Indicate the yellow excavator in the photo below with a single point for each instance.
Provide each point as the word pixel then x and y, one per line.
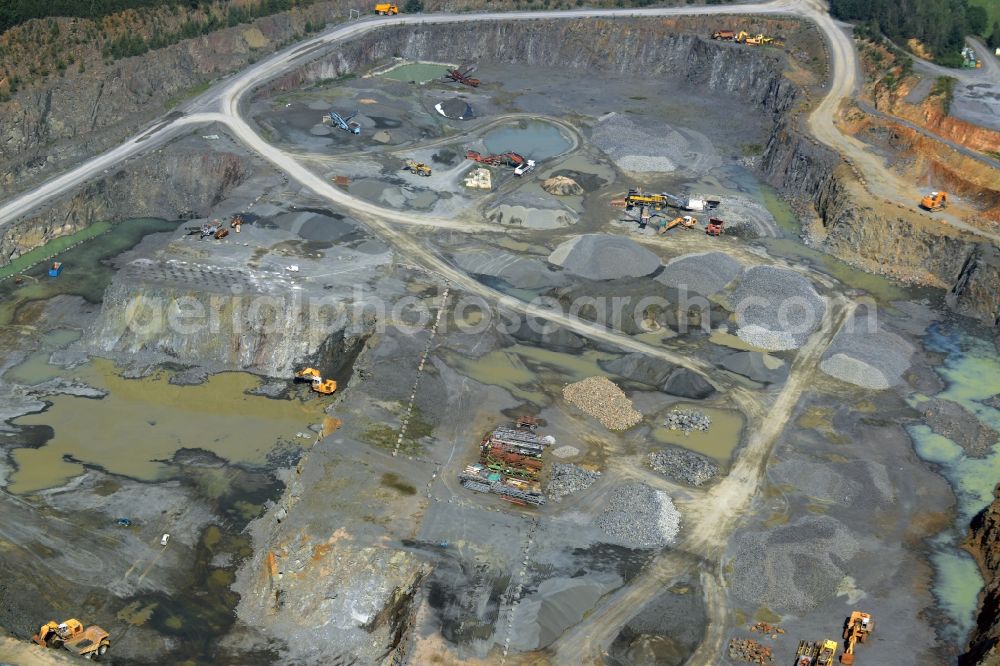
pixel 759 40
pixel 741 36
pixel 318 384
pixel 686 221
pixel 88 642
pixel 857 628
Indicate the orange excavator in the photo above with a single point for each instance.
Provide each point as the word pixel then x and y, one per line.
pixel 857 628
pixel 686 221
pixel 934 201
pixel 318 384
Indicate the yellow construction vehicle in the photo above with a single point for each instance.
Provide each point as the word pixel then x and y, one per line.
pixel 88 642
pixel 758 40
pixel 826 653
pixel 857 628
pixel 417 168
pixel 386 9
pixel 318 384
pixel 687 221
pixel 638 198
pixel 934 201
pixel 741 36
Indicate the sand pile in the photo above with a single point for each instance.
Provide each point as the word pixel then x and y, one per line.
pixel 776 308
pixel 604 257
pixel 562 186
pixel 602 399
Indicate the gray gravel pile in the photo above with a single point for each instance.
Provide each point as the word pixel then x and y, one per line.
pixel 604 257
pixel 638 516
pixel 568 479
pixel 687 421
pixel 776 308
pixel 758 366
pixel 683 465
pixel 634 149
pixel 873 360
pixel 520 272
pixel 705 273
pixel 793 568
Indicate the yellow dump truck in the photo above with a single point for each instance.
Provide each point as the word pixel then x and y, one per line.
pixel 386 9
pixel 88 642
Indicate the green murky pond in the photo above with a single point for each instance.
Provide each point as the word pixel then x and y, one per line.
pixel 971 369
pixel 143 421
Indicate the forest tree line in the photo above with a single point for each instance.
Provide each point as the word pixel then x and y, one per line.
pixel 939 25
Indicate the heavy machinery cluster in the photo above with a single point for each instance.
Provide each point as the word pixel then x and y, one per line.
pixel 216 229
pixel 857 629
pixel 650 206
pixel 510 464
pixel 88 642
pixel 743 37
pixel 520 164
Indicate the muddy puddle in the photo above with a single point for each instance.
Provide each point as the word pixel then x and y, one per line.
pixel 530 373
pixel 719 442
pixel 534 139
pixel 142 422
pixel 971 370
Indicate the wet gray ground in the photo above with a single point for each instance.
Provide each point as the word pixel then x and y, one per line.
pixel 373 543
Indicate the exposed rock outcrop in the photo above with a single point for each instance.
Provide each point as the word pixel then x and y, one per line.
pixel 984 544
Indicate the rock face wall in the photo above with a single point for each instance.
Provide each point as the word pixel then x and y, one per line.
pixel 878 238
pixel 625 47
pixel 984 544
pixel 165 186
pixel 45 129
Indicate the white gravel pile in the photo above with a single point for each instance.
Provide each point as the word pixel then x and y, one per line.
pixel 870 359
pixel 638 516
pixel 604 257
pixel 705 273
pixel 602 399
pixel 776 308
pixel 566 451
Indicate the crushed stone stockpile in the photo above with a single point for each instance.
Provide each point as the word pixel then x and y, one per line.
pixel 604 257
pixel 687 420
pixel 568 479
pixel 705 273
pixel 519 272
pixel 562 186
pixel 779 307
pixel 638 516
pixel 793 568
pixel 638 149
pixel 602 399
pixel 683 465
pixel 872 359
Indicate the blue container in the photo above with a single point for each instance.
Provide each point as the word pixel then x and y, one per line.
pixel 55 269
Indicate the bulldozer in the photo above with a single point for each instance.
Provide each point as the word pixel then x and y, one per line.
pixel 758 40
pixel 318 384
pixel 417 168
pixel 88 642
pixel 934 201
pixel 857 628
pixel 686 221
